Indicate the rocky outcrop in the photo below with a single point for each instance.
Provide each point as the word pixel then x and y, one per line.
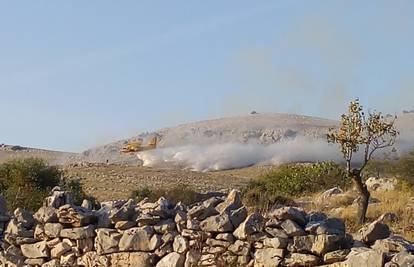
pixel 216 232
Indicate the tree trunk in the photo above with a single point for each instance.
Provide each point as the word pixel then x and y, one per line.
pixel 364 196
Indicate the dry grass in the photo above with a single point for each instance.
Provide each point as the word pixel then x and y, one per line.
pixel 399 202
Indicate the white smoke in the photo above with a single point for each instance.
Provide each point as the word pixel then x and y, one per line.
pixel 236 155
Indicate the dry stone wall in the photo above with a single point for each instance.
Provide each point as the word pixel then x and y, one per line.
pixel 216 232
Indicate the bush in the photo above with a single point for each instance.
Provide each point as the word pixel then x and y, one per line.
pixel 180 192
pixel 26 182
pixel 293 180
pixel 402 167
pixel 77 192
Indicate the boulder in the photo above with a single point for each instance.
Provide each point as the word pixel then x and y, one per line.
pixel 75 216
pixel 192 257
pixel 326 243
pixel 125 225
pixel 36 250
pixel 374 231
pixel 275 242
pixel 403 259
pixel 240 248
pixel 226 237
pixel 35 262
pixel 59 250
pixel 24 218
pixel 237 216
pixel 254 223
pixel 365 257
pixel 201 212
pixel 139 239
pixel 298 259
pixel 58 198
pixel 46 215
pixel 164 226
pixel 130 259
pixel 52 230
pixel 173 259
pixel 52 263
pixel 292 228
pixel 289 213
pixel 78 233
pixel 268 257
pixel 124 213
pixel 331 192
pixel 181 244
pixel 335 256
pixel 393 244
pixel 232 202
pixel 107 241
pixel 217 224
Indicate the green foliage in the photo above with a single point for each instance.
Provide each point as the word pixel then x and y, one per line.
pixel 402 167
pixel 293 180
pixel 180 192
pixel 25 182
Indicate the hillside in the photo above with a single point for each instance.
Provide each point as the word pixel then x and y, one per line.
pixel 257 129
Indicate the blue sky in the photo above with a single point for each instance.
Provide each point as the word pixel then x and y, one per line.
pixel 76 74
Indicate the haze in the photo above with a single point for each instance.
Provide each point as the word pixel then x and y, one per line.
pixel 75 74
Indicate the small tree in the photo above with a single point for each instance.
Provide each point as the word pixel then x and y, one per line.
pixel 371 133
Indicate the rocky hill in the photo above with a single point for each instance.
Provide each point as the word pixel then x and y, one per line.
pixel 255 128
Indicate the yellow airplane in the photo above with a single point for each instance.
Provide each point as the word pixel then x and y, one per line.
pixel 136 146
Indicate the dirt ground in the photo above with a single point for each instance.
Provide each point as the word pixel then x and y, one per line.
pixel 110 182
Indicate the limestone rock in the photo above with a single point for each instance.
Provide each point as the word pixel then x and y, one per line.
pixel 52 230
pixel 78 233
pixel 131 259
pixel 173 259
pixel 240 248
pixel 268 257
pixel 139 239
pixel 275 242
pixel 218 224
pixel 125 225
pixel 232 202
pixel 75 216
pixel 181 244
pixel 297 259
pixel 289 213
pixel 254 223
pixel 46 215
pixel 374 231
pixel 335 256
pixel 192 258
pixel 107 241
pixel 365 257
pixel 330 193
pixel 292 228
pixel 237 216
pixel 59 250
pixel 393 244
pixel 403 259
pixel 36 250
pixel 24 218
pixel 52 263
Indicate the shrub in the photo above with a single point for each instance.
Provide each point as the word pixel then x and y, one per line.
pixel 180 192
pixel 400 167
pixel 26 182
pixel 77 192
pixel 293 180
